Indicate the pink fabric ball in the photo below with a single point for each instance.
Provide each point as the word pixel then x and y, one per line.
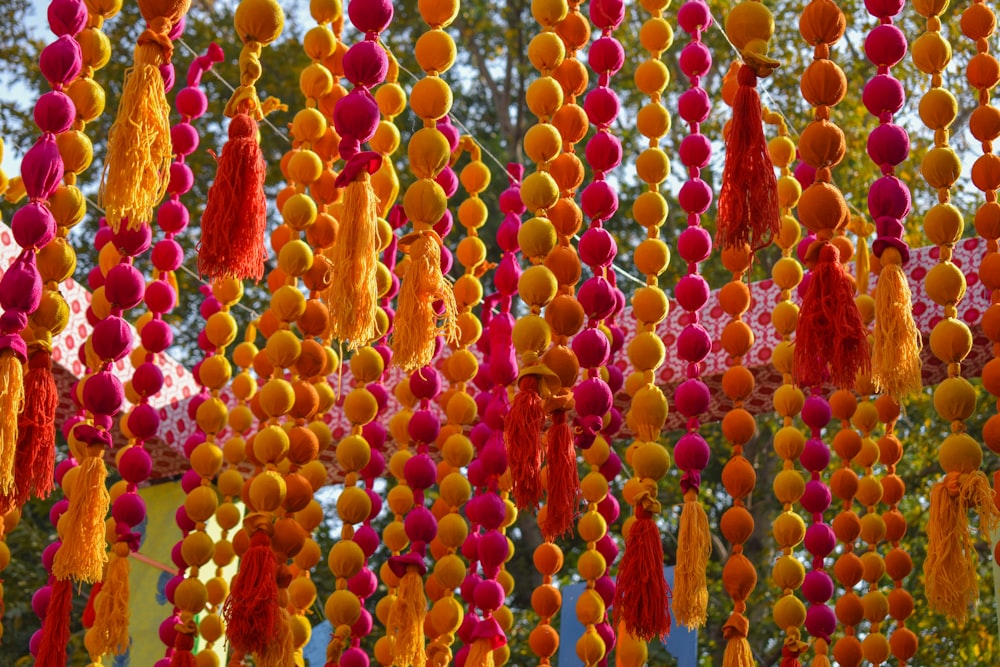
pixel 363 583
pixel 183 521
pixel 366 538
pixel 33 225
pixel 374 432
pixel 135 465
pixel 694 16
pixel 365 64
pixel 492 548
pixel 692 452
pixel 695 59
pixel 356 116
pixel 58 510
pixel 695 150
pixel 167 255
pixel 420 525
pixel 424 426
pixel 593 397
pixel 883 94
pixel 885 45
pixel 488 510
pixel 54 112
pixel 692 292
pixel 494 459
pixel 597 297
pixel 592 348
pixel 820 620
pixel 820 539
pixel 370 16
pixel 694 244
pixel 607 14
pixel 156 336
pixel 695 196
pixel 507 273
pixel 816 498
pixel 488 595
pixel 448 181
pixel 817 587
pixel 184 138
pixel 191 102
pixel 172 216
pixel 606 55
pixel 354 656
pixel 61 61
pixel 133 242
pixel 815 455
pixel 609 508
pixel 889 197
pixel 693 105
pixel 67 17
pixel 42 168
pixel 601 106
pixel 144 421
pixel 361 627
pixel 888 145
pixel 691 398
pixel 816 412
pixel 112 338
pixel 376 500
pixel 124 286
pixel 884 8
pixel 129 509
pixel 420 472
pixel 597 247
pixel 693 343
pixel 21 286
pixel 181 178
pixel 103 394
pixel 160 296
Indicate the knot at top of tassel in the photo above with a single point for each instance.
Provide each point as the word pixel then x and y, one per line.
pixel 157 35
pixel 736 625
pixel 646 505
pixel 242 126
pixel 756 64
pixel 366 162
pixel 411 562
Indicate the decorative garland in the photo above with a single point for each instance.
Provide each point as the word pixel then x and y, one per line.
pixel 951 581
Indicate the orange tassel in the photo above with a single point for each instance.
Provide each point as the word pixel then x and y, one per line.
pixel 642 595
pixel 417 322
pixel 235 217
pixel 406 621
pixel 896 362
pixel 111 616
pixel 11 404
pixel 951 580
pixel 83 553
pixel 481 654
pixel 694 546
pixel 251 610
pixel 281 648
pixel 55 629
pixel 36 438
pixel 353 293
pixel 748 199
pixel 137 166
pixel 738 652
pixel 831 341
pixel 523 438
pixel 183 659
pixel 563 479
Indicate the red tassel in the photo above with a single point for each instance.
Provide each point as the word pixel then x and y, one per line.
pixel 831 341
pixel 748 200
pixel 564 479
pixel 89 612
pixel 183 659
pixel 36 437
pixel 235 218
pixel 642 595
pixel 251 610
pixel 55 629
pixel 523 437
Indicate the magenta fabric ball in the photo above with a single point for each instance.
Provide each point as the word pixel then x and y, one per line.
pixel 40 601
pixel 695 150
pixel 167 255
pixel 95 278
pixel 490 511
pixel 67 17
pixel 420 525
pixel 817 497
pixel 448 180
pixel 597 247
pixel 611 468
pixel 450 132
pixel 134 241
pixel 604 151
pixel 424 426
pixel 124 286
pixel 607 14
pixel 189 482
pixel 820 540
pixel 33 225
pixel 54 112
pixel 420 472
pixel 695 59
pixel 692 452
pixel 488 595
pixel 447 261
pixel 821 621
pixel 181 178
pixel 42 168
pixel 363 584
pixel 370 16
pixel 376 501
pixel 191 102
pixel 511 203
pixel 692 292
pixel 494 459
pixel 597 297
pixel 888 196
pixel 815 455
pixel 884 8
pixel 609 508
pixel 128 509
pixel 476 474
pixel 354 656
pixel 209 306
pixel 425 383
pixel 49 555
pixel 183 521
pixel 177 555
pixel 507 274
pixel 885 45
pixel 695 196
pixel 103 394
pixel 816 412
pixel 694 16
pixel 470 546
pixel 694 244
pixel 135 465
pixel 366 538
pixel 888 144
pixel 593 397
pixel 817 587
pixel 156 336
pixel 608 548
pixel 167 633
pixel 374 432
pixel 57 511
pixel 356 116
pixel 693 105
pixel 172 216
pixel 361 627
pixel 365 64
pixel 35 643
pixel 184 138
pixel 606 55
pixel 160 296
pixel 599 200
pixel 691 398
pixel 171 587
pixel 144 421
pixel 492 548
pixel 693 343
pixel 883 94
pixel 62 468
pixel 61 61
pixel 601 106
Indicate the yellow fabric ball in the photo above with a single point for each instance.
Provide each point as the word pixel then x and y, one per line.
pixel 945 283
pixel 197 548
pixel 342 608
pixel 789 530
pixel 472 214
pixel 791 231
pixel 788 486
pixel 594 487
pixel 56 261
pixel 201 503
pixel 452 530
pixel 447 614
pixel 215 371
pixel 315 81
pixel 276 397
pixel 319 42
pixel 938 107
pixel 288 304
pixel 546 51
pixel 592 526
pixel 431 98
pixel 941 167
pixel 386 139
pixel 428 152
pixel 789 612
pixel 360 406
pixel 267 491
pixel 548 13
pixel 788 573
pixel 544 97
pixel 646 351
pixel 400 499
pixel 542 142
pixel 960 453
pixel 931 52
pixel 435 51
pixel 394 536
pixel 76 151
pixel 653 120
pixel 531 333
pixel 270 444
pixel 206 459
pixel 875 646
pixel 191 596
pixel 537 236
pixel 457 450
pixel 749 23
pixel 652 257
pixel 590 607
pixel 391 99
pixel 951 340
pixel 346 559
pixel 651 78
pixel 656 36
pixel 259 20
pixel 590 648
pixel 438 13
pixel 283 349
pixel 89 98
pixel 353 453
pixel 781 150
pixel 782 355
pixel 650 461
pixel 211 415
pixel 461 409
pixel 424 202
pixel 210 627
pixel 650 209
pixel 652 166
pixel 353 505
pixel 650 304
pixel 220 329
pixel 537 286
pixel 943 224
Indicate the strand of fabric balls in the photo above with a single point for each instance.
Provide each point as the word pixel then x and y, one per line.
pixel 831 339
pixel 848 567
pixel 896 352
pixel 56 261
pixel 738 428
pixel 898 564
pixel 788 527
pixel 137 166
pixel 353 293
pixel 951 580
pixel 34 226
pixel 234 222
pixel 692 396
pixel 426 305
pixel 983 73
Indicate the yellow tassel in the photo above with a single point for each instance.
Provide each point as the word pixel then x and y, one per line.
pixel 481 654
pixel 820 659
pixel 896 354
pixel 83 552
pixel 694 546
pixel 137 166
pixel 950 577
pixel 416 324
pixel 112 608
pixel 281 650
pixel 406 622
pixel 738 653
pixel 353 293
pixel 11 404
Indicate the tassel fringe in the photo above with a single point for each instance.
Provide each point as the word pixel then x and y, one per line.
pixel 83 553
pixel 55 629
pixel 896 355
pixel 251 610
pixel 11 404
pixel 694 546
pixel 406 622
pixel 36 437
pixel 564 479
pixel 481 654
pixel 111 620
pixel 522 436
pixel 642 595
pixel 137 167
pixel 951 580
pixel 280 650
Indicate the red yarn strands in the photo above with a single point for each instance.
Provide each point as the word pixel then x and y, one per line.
pixel 641 595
